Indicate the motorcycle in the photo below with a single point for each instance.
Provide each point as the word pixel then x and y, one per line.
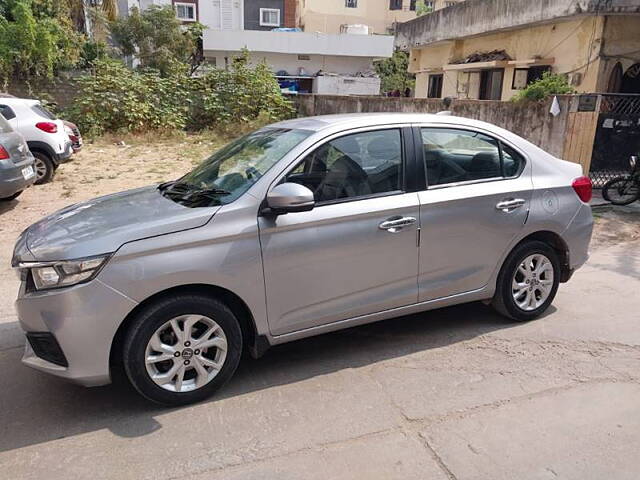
pixel 624 190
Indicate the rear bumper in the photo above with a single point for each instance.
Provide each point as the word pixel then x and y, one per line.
pixel 80 322
pixel 11 179
pixel 578 237
pixel 66 155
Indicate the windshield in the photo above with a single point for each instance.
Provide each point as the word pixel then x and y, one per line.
pixel 230 172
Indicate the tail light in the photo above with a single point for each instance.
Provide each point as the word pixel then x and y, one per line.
pixel 3 153
pixel 583 188
pixel 48 127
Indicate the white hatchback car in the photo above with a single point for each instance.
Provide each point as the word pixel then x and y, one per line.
pixel 45 134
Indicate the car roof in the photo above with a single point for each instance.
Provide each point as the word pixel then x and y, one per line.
pixel 18 101
pixel 355 120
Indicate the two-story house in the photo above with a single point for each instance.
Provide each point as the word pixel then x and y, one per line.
pixel 305 57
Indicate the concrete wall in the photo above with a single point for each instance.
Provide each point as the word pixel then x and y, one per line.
pixel 61 92
pixel 291 63
pixel 529 120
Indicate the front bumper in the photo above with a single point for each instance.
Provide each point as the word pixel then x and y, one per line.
pixel 83 320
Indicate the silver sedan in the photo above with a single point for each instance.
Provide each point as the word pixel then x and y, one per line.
pixel 300 228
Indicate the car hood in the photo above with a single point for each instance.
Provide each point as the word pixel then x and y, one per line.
pixel 103 224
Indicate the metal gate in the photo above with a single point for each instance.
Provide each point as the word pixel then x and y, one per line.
pixel 617 137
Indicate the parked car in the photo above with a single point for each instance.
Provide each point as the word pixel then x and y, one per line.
pixel 16 163
pixel 73 132
pixel 300 228
pixel 43 131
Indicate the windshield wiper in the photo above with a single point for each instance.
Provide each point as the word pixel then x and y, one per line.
pixel 189 189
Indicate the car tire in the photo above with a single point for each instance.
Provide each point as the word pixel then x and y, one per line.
pixel 44 167
pixel 155 324
pixel 521 293
pixel 11 197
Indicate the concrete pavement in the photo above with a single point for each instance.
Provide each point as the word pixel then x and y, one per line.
pixel 452 394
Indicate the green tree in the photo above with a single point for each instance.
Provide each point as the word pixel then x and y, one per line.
pixel 37 39
pixel 394 72
pixel 157 39
pixel 422 9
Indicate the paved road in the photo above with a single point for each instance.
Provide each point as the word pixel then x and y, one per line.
pixel 452 394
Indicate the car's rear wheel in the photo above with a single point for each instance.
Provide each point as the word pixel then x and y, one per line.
pixel 12 197
pixel 44 167
pixel 182 349
pixel 528 281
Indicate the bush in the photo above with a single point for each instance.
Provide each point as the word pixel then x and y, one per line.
pixel 116 99
pixel 549 84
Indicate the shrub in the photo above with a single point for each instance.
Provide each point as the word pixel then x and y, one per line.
pixel 116 99
pixel 549 84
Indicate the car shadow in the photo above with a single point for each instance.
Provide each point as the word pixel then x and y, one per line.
pixel 37 408
pixel 8 205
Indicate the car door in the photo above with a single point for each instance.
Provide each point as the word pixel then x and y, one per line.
pixel 356 252
pixel 477 200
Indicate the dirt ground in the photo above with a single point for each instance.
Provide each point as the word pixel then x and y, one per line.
pixel 457 393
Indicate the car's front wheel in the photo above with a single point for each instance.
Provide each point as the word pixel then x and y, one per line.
pixel 528 281
pixel 182 349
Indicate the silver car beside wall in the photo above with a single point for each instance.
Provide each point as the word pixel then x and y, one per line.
pixel 300 228
pixel 16 163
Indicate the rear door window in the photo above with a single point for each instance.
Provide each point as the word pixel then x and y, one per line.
pixel 454 156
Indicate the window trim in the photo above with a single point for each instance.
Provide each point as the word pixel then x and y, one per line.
pixel 186 4
pixel 500 140
pixel 265 24
pixel 407 141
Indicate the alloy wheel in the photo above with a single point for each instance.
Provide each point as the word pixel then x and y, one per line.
pixel 40 168
pixel 532 282
pixel 186 353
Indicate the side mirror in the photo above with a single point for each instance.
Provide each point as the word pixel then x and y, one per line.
pixel 289 198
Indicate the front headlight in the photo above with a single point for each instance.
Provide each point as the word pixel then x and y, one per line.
pixel 46 275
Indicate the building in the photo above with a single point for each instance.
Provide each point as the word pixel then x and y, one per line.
pixel 490 49
pixel 333 60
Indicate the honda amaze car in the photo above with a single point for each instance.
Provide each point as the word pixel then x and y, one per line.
pixel 300 228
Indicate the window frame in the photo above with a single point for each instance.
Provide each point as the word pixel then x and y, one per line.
pixel 498 139
pixel 394 6
pixel 194 6
pixel 408 163
pixel 265 24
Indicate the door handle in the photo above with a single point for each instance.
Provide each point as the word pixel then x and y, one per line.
pixel 395 224
pixel 510 204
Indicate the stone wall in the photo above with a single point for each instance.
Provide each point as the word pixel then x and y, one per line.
pixel 62 92
pixel 529 120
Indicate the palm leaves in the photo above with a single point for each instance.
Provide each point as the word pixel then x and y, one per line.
pixel 80 10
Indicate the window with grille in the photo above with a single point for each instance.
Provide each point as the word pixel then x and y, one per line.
pixel 351 3
pixel 395 5
pixel 185 12
pixel 270 17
